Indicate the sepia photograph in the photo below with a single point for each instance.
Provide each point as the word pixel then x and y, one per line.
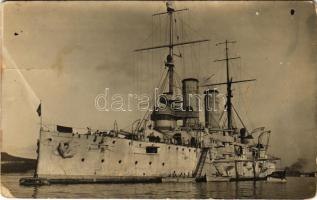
pixel 159 99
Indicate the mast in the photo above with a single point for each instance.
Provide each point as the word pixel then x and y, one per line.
pixel 229 95
pixel 228 82
pixel 170 64
pixel 169 59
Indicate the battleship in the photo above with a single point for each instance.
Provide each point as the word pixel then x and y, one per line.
pixel 158 149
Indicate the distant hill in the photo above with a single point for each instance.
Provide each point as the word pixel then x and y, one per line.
pixel 14 164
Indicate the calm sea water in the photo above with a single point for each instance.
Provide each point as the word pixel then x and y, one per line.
pixel 295 188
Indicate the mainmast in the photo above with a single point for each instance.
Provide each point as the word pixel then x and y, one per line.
pixel 229 82
pixel 169 59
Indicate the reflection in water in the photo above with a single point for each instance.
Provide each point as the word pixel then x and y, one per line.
pixel 201 190
pixel 237 190
pixel 248 189
pixel 255 189
pixel 295 188
pixel 34 195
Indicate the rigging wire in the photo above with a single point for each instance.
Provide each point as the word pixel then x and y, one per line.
pixel 178 80
pixel 195 32
pixel 183 48
pixel 199 58
pixel 160 30
pixel 245 106
pixel 147 113
pixel 152 57
pixel 166 30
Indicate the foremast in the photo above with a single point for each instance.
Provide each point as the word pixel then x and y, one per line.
pixel 169 63
pixel 169 116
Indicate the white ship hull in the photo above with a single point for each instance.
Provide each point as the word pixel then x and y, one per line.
pixel 100 156
pixel 112 158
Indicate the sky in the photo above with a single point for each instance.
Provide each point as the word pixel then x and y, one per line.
pixel 63 54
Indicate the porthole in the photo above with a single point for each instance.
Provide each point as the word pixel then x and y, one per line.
pixel 136 162
pixel 163 164
pixel 66 145
pixel 150 163
pixel 140 145
pixel 113 141
pixel 119 161
pixel 83 159
pixel 102 160
pixel 50 139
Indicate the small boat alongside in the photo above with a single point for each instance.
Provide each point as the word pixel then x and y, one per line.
pixel 277 176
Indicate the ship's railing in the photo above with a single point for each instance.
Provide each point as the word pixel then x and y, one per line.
pixel 220 138
pixel 77 130
pixel 123 134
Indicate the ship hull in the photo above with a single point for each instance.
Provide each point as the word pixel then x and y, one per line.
pixel 68 158
pixel 87 156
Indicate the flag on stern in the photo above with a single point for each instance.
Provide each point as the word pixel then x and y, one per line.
pixel 64 129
